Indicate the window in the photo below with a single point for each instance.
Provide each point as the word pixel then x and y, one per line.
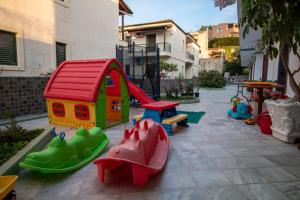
pixel 8 48
pixel 58 109
pixel 82 112
pixel 116 105
pixel 230 25
pixel 60 52
pixel 219 30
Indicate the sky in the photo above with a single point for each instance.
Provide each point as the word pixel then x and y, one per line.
pixel 188 14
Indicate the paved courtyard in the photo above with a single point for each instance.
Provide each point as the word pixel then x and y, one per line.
pixel 219 158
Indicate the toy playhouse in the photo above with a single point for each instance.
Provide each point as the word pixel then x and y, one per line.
pixel 88 94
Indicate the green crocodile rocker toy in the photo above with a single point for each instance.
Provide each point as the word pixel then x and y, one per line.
pixel 65 156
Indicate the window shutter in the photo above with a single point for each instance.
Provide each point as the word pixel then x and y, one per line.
pixel 60 52
pixel 8 48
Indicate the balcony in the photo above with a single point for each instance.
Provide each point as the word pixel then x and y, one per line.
pixel 163 47
pixel 189 58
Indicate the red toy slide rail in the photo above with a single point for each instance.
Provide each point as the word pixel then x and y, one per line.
pixel 138 93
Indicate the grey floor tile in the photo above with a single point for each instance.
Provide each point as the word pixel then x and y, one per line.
pixel 179 180
pixel 262 192
pixel 275 174
pixel 284 159
pixel 295 170
pixel 290 189
pixel 242 151
pixel 256 161
pixel 243 176
pixel 224 193
pixel 198 164
pixel 142 196
pixel 215 152
pixel 183 194
pixel 229 163
pixel 206 178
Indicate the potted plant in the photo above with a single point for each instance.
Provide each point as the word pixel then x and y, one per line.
pixel 279 24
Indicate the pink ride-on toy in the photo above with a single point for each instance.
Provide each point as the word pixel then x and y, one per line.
pixel 144 148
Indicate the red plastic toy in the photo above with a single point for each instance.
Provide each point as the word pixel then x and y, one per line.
pixel 264 122
pixel 144 148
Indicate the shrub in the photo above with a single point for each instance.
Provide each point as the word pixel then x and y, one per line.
pixel 13 138
pixel 233 67
pixel 211 79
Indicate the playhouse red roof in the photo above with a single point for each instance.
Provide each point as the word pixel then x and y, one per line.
pixel 78 80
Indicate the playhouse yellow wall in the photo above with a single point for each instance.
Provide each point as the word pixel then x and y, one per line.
pixel 70 119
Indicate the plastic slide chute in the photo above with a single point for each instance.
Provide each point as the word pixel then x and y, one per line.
pixel 143 148
pixel 68 155
pixel 138 93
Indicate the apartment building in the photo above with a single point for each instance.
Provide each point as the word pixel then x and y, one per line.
pixel 223 30
pixel 41 34
pixel 175 45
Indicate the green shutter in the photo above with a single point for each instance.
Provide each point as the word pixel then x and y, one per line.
pixel 60 52
pixel 8 48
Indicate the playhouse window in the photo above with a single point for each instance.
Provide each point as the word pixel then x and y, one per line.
pixel 82 112
pixel 58 109
pixel 116 105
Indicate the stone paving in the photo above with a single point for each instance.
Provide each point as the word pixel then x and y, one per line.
pixel 219 158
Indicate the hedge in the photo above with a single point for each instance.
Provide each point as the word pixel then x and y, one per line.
pixel 224 42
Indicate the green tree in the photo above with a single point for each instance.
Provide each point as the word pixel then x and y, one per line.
pixel 166 68
pixel 280 26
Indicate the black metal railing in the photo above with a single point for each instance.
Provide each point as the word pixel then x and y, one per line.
pixel 190 56
pixel 163 47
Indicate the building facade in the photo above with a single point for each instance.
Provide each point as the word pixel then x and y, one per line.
pixel 175 45
pixel 261 66
pixel 37 35
pixel 223 30
pixel 50 31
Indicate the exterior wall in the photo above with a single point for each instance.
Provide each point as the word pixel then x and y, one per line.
pixel 70 118
pixel 202 41
pixel 89 29
pixel 248 45
pixel 258 67
pixel 209 64
pixel 22 96
pixel 192 69
pixel 178 42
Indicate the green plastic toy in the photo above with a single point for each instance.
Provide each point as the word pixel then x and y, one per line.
pixel 64 156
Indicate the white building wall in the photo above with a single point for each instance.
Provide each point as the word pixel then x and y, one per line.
pixel 294 64
pixel 273 65
pixel 177 38
pixel 89 29
pixel 258 67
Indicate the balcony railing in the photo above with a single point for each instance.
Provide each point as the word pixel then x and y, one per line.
pixel 190 56
pixel 163 47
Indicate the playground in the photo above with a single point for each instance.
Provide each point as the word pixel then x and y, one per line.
pixel 218 158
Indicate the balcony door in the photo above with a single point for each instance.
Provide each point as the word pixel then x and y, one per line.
pixel 151 42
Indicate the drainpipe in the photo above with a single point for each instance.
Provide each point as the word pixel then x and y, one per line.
pixel 123 33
